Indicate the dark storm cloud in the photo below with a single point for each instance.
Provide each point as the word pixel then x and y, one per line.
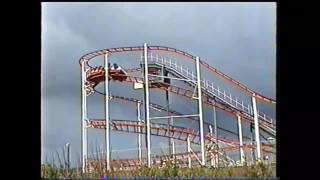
pixel 236 38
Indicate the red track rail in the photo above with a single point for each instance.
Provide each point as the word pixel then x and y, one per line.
pixel 178 133
pixel 182 157
pixel 158 129
pixel 162 129
pixel 110 51
pixel 172 112
pixel 99 76
pixel 158 160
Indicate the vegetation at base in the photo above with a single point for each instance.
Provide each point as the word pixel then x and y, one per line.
pixel 170 170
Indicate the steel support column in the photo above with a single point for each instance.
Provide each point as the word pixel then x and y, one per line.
pixel 189 151
pixel 256 127
pixel 139 130
pixel 251 142
pixel 203 160
pixel 106 89
pixel 240 140
pixel 216 156
pixel 146 102
pixel 84 146
pixel 212 156
pixel 173 148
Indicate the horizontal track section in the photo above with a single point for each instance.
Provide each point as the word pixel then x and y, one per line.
pixel 158 129
pixel 182 158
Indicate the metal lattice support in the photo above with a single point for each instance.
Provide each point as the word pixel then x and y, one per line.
pixel 132 127
pixel 204 92
pixel 207 100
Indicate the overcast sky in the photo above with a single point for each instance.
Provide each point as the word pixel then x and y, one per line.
pixel 237 38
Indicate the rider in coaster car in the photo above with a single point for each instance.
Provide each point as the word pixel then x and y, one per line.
pixel 115 66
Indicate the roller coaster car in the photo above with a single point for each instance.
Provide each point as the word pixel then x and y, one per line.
pixel 117 73
pixel 97 74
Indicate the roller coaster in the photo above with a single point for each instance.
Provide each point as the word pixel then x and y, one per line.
pixel 158 71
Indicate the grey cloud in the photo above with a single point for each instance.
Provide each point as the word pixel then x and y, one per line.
pixel 238 39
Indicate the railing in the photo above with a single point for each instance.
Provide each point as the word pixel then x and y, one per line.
pixel 208 86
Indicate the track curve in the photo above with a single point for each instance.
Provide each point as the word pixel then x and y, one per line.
pixel 267 126
pixel 96 75
pixel 93 54
pixel 172 112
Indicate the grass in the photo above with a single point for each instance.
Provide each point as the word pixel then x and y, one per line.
pixel 170 170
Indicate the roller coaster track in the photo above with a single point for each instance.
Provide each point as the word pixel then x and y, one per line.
pixel 212 96
pixel 158 129
pixel 209 88
pixel 175 132
pixel 98 76
pixel 172 112
pixel 182 157
pixel 93 54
